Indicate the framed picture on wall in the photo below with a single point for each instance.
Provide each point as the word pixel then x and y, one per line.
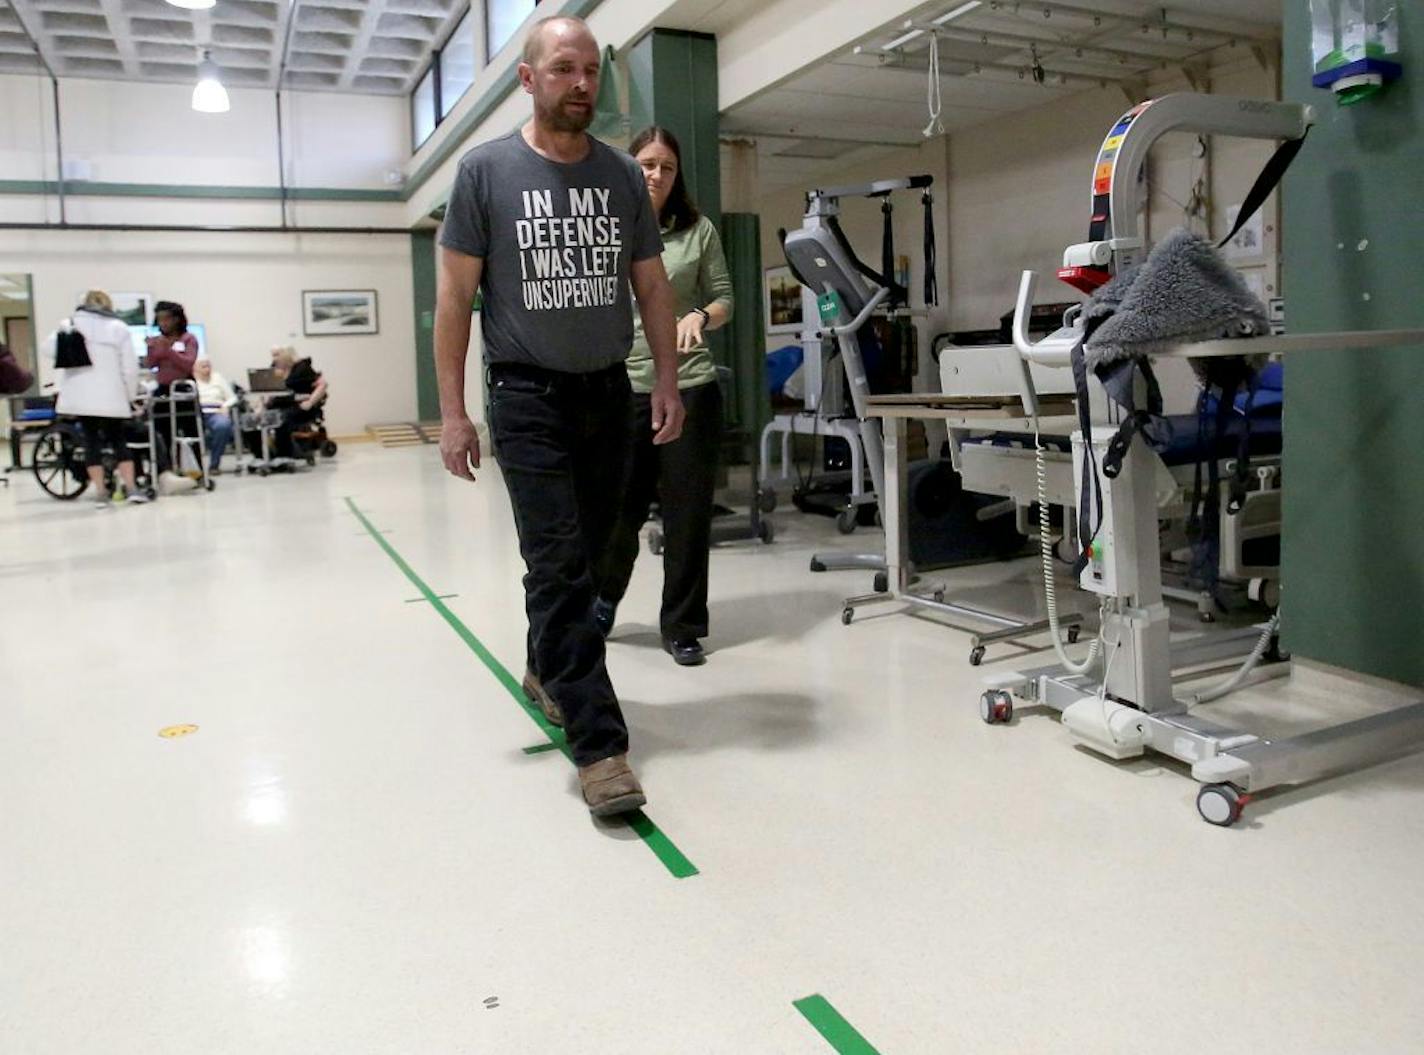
pixel 339 312
pixel 781 296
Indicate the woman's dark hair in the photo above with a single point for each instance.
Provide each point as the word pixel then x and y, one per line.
pixel 173 308
pixel 679 211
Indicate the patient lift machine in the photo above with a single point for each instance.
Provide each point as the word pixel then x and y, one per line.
pixel 839 295
pixel 1120 701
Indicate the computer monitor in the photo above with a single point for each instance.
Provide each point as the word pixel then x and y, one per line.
pixel 140 335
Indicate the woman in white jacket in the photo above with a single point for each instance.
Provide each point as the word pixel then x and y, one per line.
pixel 100 395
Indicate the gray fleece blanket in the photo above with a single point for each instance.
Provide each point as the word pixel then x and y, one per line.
pixel 1184 291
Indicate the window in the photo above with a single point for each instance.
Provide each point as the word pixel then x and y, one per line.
pixel 502 19
pixel 457 65
pixel 422 108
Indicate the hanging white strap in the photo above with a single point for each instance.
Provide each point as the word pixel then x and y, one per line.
pixel 933 97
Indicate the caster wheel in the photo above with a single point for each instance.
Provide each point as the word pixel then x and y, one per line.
pixel 881 583
pixel 1265 592
pixel 264 471
pixel 996 707
pixel 846 521
pixel 847 614
pixel 311 460
pixel 1074 632
pixel 1221 804
pixel 328 449
pixel 766 501
pixel 939 595
pixel 655 543
pixel 817 565
pixel 976 655
pixel 1206 617
pixel 151 492
pixel 210 485
pixel 766 531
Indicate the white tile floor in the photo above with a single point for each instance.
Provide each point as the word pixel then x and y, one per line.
pixel 353 854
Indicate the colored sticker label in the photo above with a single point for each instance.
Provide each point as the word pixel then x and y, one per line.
pixel 170 732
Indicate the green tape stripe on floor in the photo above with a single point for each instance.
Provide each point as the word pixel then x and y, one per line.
pixel 839 1033
pixel 672 858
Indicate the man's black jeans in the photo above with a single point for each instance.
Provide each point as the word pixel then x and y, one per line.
pixel 561 443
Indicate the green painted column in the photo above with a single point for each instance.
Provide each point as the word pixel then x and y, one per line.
pixel 749 408
pixel 422 269
pixel 1353 565
pixel 672 82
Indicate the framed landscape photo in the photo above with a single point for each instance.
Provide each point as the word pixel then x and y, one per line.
pixel 782 296
pixel 339 312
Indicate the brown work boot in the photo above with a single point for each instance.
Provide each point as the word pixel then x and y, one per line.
pixel 610 787
pixel 534 693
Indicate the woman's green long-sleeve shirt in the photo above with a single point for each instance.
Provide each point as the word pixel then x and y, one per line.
pixel 697 270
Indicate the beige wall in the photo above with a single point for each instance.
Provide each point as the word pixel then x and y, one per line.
pixel 246 289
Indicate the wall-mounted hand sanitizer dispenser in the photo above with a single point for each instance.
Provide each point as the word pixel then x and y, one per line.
pixel 1355 44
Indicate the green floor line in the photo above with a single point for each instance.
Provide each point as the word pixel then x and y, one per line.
pixel 839 1033
pixel 663 848
pixel 539 749
pixel 421 600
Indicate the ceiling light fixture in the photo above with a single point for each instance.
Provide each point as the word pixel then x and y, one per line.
pixel 209 95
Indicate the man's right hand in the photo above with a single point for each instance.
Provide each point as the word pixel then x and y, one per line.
pixel 460 447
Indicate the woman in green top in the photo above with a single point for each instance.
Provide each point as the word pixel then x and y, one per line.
pixel 681 475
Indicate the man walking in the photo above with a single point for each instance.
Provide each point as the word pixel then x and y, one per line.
pixel 553 226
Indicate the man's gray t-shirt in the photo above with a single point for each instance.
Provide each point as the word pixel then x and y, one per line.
pixel 557 240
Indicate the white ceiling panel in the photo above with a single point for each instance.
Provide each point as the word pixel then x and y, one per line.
pixel 368 46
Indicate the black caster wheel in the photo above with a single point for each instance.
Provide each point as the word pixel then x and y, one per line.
pixel 264 471
pixel 766 531
pixel 655 543
pixel 847 614
pixel 209 485
pixel 328 449
pixel 881 582
pixel 311 460
pixel 766 501
pixel 817 565
pixel 939 595
pixel 976 655
pixel 151 492
pixel 846 521
pixel 1074 632
pixel 1221 804
pixel 996 707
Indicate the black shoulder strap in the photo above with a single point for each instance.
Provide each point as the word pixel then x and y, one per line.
pixel 931 264
pixel 1266 182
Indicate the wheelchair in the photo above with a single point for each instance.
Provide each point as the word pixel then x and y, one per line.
pixel 59 457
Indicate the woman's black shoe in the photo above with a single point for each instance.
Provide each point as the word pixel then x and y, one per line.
pixel 686 652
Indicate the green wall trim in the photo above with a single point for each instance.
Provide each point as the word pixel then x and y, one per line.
pixel 1352 569
pixel 90 189
pixel 504 86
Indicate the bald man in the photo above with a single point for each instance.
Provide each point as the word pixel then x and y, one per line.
pixel 555 227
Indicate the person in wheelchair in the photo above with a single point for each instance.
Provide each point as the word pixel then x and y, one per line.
pixel 217 398
pixel 304 432
pixel 100 394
